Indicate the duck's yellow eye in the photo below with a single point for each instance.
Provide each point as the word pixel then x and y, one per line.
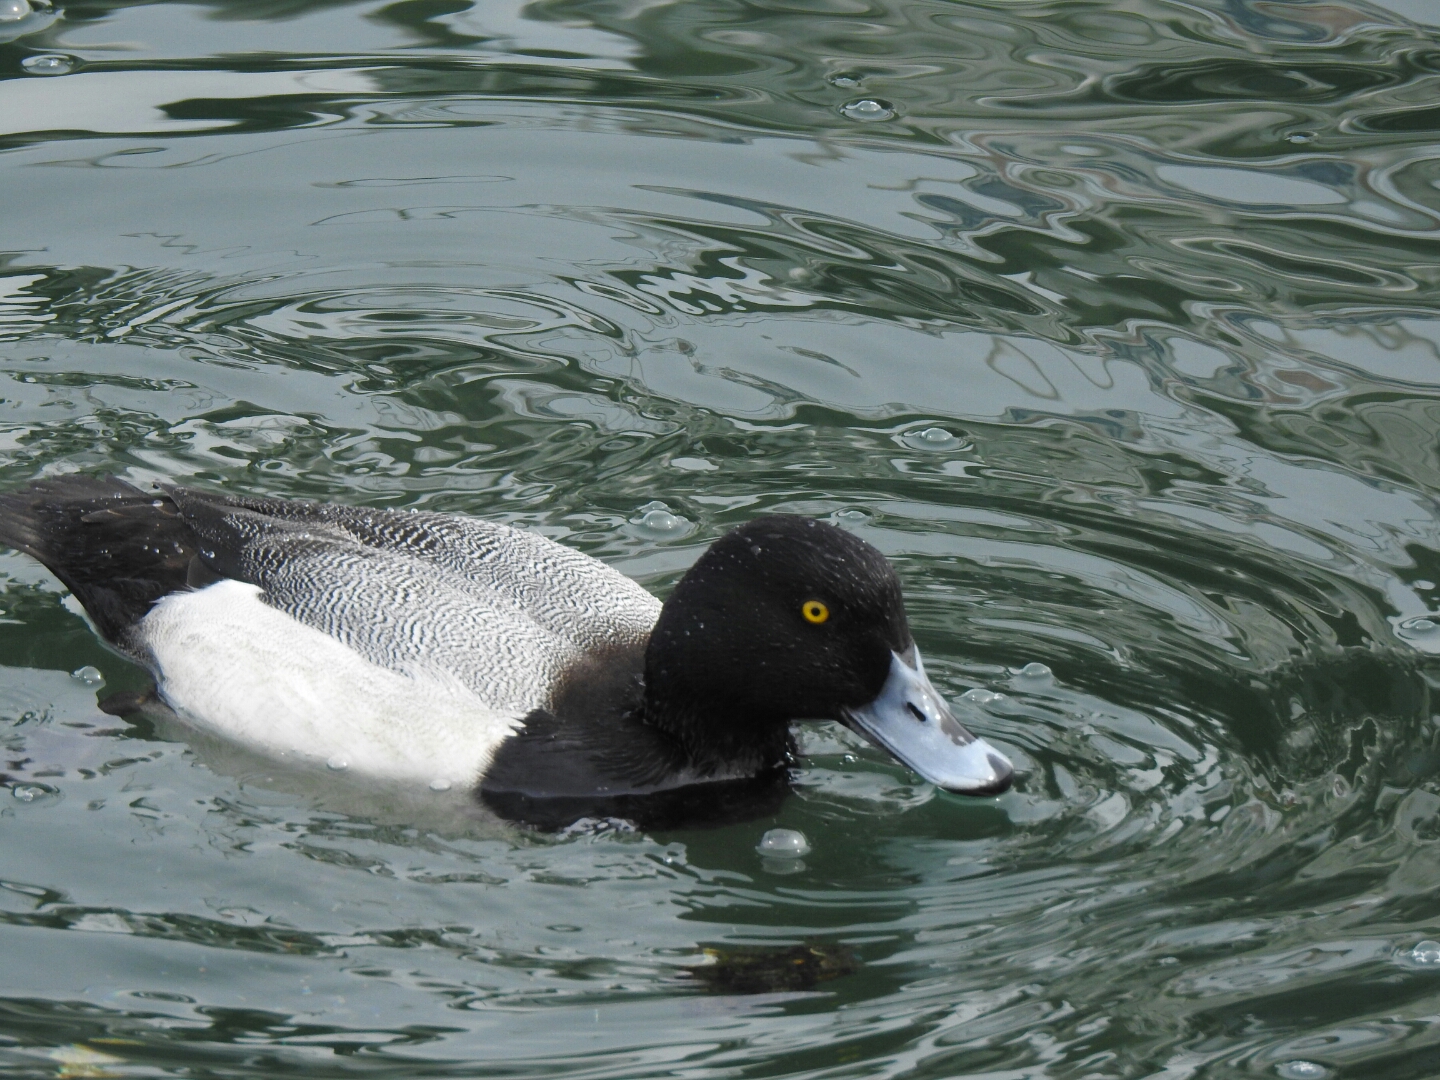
pixel 814 611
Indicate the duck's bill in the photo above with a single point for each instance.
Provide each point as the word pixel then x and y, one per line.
pixel 911 720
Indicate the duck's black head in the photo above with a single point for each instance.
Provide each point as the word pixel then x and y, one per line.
pixel 788 618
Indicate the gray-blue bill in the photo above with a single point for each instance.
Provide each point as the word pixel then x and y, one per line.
pixel 911 720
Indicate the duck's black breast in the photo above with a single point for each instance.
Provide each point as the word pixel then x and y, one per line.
pixel 593 755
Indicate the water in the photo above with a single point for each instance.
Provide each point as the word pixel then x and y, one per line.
pixel 1162 278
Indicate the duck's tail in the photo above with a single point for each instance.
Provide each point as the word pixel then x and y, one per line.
pixel 116 548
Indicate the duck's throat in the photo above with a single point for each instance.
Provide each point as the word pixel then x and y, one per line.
pixel 716 741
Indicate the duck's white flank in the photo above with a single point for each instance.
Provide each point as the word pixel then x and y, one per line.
pixel 239 667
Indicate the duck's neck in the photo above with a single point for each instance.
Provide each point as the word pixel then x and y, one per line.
pixel 711 739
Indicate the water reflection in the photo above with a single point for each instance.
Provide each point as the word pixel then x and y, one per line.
pixel 1117 333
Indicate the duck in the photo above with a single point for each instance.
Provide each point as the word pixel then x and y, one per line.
pixel 426 648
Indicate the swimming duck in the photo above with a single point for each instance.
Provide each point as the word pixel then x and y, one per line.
pixel 452 651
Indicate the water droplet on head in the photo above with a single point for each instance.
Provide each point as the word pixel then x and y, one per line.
pixel 49 64
pixel 1036 673
pixel 440 784
pixel 14 10
pixel 338 763
pixel 1302 1070
pixel 1426 953
pixel 90 676
pixel 868 109
pixel 783 843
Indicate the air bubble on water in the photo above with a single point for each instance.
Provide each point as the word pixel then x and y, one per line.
pixel 934 438
pixel 655 518
pixel 1300 137
pixel 1036 673
pixel 89 675
pixel 33 793
pixel 49 64
pixel 848 80
pixel 981 696
pixel 661 521
pixel 850 517
pixel 1426 953
pixel 14 10
pixel 1302 1070
pixel 868 109
pixel 338 763
pixel 440 784
pixel 1421 631
pixel 783 843
pixel 780 851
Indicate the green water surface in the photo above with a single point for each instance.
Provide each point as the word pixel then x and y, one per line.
pixel 1115 325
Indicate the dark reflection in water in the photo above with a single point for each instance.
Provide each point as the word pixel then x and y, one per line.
pixel 1119 336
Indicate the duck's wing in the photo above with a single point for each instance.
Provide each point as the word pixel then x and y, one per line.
pixel 504 611
pixel 570 594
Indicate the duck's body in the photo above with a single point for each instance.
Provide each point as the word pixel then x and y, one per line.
pixel 448 651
